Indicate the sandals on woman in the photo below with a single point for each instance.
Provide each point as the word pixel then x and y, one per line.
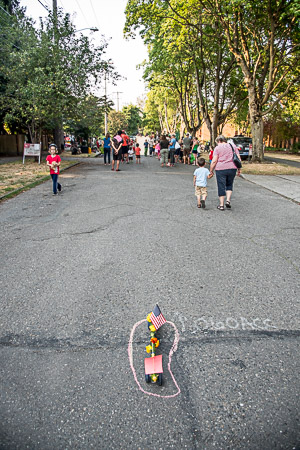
pixel 221 208
pixel 228 205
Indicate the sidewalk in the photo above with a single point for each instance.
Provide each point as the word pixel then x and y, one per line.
pixel 286 185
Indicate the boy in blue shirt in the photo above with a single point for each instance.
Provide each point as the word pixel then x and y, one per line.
pixel 172 150
pixel 200 182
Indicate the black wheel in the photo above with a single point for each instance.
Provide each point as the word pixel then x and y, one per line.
pixel 160 379
pixel 148 378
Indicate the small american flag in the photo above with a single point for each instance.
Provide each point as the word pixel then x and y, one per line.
pixel 157 318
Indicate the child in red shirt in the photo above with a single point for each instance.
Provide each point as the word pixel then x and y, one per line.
pixel 53 161
pixel 211 155
pixel 137 154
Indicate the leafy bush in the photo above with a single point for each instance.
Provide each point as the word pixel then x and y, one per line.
pixel 295 148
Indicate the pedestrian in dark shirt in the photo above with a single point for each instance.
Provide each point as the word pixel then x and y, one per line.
pixel 106 147
pixel 164 150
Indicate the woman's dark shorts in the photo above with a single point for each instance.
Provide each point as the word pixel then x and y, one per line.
pixel 124 149
pixel 225 180
pixel 118 156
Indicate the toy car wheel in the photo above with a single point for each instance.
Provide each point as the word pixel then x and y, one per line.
pixel 148 378
pixel 160 379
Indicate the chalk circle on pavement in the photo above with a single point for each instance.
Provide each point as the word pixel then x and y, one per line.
pixel 173 350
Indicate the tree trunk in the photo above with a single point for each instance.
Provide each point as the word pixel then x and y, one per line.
pixel 59 138
pixel 257 126
pixel 30 134
pixel 214 132
pixel 182 126
pixel 166 117
pixel 161 122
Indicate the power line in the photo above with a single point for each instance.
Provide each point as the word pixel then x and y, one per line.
pixel 14 45
pixel 97 21
pixel 43 5
pixel 48 3
pixel 82 12
pixel 6 12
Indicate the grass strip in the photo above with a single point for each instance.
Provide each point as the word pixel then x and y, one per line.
pixel 266 168
pixel 33 184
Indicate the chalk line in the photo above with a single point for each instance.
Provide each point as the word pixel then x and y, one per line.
pixel 173 349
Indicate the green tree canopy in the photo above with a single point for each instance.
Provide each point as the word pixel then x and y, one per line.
pixel 55 73
pixel 215 53
pixel 188 56
pixel 134 118
pixel 117 120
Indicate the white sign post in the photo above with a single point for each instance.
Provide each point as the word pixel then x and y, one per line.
pixel 32 150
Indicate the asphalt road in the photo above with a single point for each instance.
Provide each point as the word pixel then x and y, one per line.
pixel 81 269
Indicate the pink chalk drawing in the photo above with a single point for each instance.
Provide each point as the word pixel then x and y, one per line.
pixel 172 351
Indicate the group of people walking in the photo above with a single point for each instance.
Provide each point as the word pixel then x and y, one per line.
pixel 188 151
pixel 166 148
pixel 185 151
pixel 122 148
pixel 169 151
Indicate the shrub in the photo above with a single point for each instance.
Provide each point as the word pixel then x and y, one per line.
pixel 295 148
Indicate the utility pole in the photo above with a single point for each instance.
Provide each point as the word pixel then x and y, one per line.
pixel 106 75
pixel 54 11
pixel 58 130
pixel 118 109
pixel 105 114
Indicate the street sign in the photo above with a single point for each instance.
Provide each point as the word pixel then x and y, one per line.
pixel 32 150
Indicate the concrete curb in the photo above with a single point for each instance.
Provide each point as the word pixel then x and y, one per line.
pixel 244 177
pixel 34 184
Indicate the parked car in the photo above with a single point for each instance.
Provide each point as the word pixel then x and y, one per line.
pixel 244 146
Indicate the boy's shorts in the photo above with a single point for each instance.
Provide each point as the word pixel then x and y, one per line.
pixel 200 190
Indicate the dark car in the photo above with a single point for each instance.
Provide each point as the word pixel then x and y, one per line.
pixel 244 146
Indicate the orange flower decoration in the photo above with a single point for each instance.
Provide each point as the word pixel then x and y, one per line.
pixel 154 339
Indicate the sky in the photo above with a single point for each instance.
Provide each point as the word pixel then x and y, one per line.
pixel 109 17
